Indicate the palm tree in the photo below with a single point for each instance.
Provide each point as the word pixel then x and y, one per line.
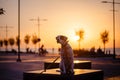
pixel 11 42
pixel 27 40
pixel 17 41
pixel 2 11
pixel 80 33
pixel 5 43
pixel 1 44
pixel 34 40
pixel 105 38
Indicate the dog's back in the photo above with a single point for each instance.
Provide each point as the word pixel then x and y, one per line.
pixel 67 58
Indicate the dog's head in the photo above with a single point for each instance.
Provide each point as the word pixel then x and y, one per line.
pixel 61 39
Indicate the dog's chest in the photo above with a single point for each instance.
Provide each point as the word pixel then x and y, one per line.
pixel 65 51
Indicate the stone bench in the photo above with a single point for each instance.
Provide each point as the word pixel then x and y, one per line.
pixel 53 74
pixel 77 64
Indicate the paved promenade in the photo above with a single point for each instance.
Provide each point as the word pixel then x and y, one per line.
pixel 12 70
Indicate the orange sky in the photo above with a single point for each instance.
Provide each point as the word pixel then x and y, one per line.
pixel 63 17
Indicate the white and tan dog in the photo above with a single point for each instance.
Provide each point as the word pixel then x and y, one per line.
pixel 66 63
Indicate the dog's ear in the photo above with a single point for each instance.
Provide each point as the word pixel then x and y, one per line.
pixel 63 38
pixel 58 37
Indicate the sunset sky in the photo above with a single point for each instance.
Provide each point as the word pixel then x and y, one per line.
pixel 63 17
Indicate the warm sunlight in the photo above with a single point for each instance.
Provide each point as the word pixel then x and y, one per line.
pixel 76 38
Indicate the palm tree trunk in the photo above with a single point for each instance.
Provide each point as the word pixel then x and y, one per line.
pixel 79 45
pixel 104 48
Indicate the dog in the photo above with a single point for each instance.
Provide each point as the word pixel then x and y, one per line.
pixel 66 53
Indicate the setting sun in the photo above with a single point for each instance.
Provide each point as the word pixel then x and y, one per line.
pixel 76 38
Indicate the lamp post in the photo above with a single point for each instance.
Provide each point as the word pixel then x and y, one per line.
pixel 18 60
pixel 38 20
pixel 6 30
pixel 113 3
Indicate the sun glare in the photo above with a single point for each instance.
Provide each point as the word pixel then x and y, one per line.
pixel 76 38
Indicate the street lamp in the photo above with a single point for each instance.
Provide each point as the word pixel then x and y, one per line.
pixel 6 30
pixel 38 20
pixel 113 3
pixel 18 60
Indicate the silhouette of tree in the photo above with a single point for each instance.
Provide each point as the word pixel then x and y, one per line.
pixel 1 44
pixel 2 11
pixel 92 50
pixel 105 38
pixel 11 42
pixel 80 33
pixel 5 43
pixel 27 40
pixel 17 41
pixel 34 40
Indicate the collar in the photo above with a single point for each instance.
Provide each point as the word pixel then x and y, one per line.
pixel 64 44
